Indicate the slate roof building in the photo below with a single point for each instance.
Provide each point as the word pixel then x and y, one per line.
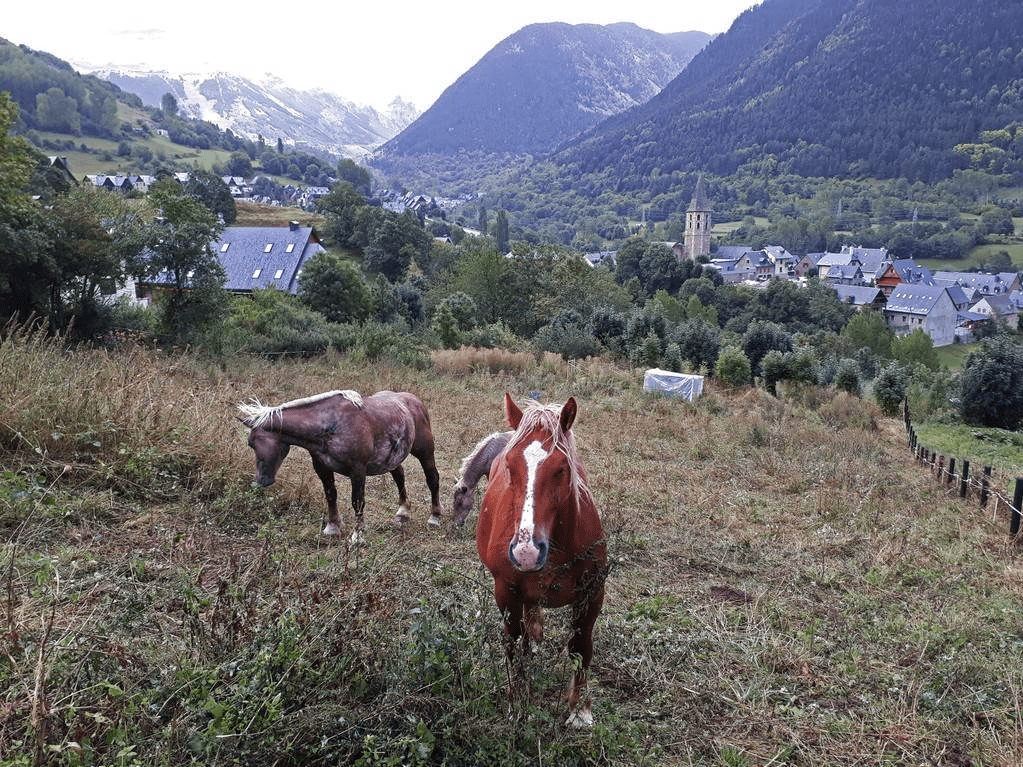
pixel 861 296
pixel 926 307
pixel 978 284
pixel 873 261
pixel 256 257
pixel 1001 307
pixel 266 256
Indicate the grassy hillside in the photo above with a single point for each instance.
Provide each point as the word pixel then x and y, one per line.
pixel 788 585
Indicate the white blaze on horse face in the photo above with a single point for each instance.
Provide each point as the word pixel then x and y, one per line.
pixel 524 548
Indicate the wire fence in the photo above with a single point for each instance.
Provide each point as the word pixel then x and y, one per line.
pixel 957 477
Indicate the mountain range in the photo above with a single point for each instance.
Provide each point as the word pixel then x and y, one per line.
pixel 839 88
pixel 313 119
pixel 537 87
pixel 546 83
pixel 852 89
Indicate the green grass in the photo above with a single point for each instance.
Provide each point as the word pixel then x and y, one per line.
pixel 952 356
pixel 93 160
pixel 998 448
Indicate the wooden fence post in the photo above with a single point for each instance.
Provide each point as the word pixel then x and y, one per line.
pixel 964 480
pixel 951 470
pixel 1017 501
pixel 983 486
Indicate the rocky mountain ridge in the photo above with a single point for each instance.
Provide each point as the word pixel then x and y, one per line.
pixel 311 119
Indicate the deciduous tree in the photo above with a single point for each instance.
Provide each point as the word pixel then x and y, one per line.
pixel 336 288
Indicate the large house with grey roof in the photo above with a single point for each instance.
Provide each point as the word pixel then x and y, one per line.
pixel 930 308
pixel 256 257
pixel 266 256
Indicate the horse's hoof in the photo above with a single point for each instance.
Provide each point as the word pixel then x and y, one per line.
pixel 434 520
pixel 358 537
pixel 400 521
pixel 332 529
pixel 580 718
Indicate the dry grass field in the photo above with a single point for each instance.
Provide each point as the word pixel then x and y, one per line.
pixel 787 587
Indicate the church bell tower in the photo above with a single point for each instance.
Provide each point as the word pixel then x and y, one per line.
pixel 696 241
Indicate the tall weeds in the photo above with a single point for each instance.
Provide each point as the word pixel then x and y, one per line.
pixel 787 585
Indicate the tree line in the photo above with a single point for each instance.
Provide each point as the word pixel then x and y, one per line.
pixel 389 285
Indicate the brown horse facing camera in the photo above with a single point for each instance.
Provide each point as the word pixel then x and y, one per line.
pixel 351 435
pixel 539 535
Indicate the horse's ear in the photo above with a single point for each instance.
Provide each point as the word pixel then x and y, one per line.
pixel 568 411
pixel 512 412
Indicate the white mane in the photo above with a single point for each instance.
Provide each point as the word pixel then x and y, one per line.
pixel 257 414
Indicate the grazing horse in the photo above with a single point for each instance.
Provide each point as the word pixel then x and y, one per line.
pixel 475 467
pixel 351 435
pixel 540 536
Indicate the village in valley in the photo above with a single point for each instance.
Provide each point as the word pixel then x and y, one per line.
pixel 949 306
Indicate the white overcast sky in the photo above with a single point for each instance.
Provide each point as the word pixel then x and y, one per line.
pixel 366 52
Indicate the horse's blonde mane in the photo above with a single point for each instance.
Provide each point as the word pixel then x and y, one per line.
pixel 258 415
pixel 548 418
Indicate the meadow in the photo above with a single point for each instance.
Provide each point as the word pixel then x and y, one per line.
pixel 788 585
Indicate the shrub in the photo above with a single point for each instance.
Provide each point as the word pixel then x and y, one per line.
pixel 760 338
pixel 774 368
pixel 890 388
pixel 733 367
pixel 571 341
pixel 846 411
pixel 847 377
pixel 991 384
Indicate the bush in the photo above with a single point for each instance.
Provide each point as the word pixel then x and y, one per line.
pixel 991 385
pixel 890 389
pixel 846 411
pixel 774 368
pixel 847 377
pixel 733 367
pixel 571 341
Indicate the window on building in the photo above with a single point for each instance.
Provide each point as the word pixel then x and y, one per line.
pixel 278 274
pixel 224 247
pixel 269 245
pixel 290 248
pixel 256 273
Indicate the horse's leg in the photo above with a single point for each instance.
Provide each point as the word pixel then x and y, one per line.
pixel 358 504
pixel 330 492
pixel 511 612
pixel 398 474
pixel 429 465
pixel 533 627
pixel 580 711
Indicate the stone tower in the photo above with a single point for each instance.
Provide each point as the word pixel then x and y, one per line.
pixel 696 241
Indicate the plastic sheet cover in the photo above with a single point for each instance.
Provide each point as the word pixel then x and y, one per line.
pixel 673 384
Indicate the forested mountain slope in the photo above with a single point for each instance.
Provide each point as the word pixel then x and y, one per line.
pixel 51 95
pixel 841 88
pixel 546 83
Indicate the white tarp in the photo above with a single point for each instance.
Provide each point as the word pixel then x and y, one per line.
pixel 673 384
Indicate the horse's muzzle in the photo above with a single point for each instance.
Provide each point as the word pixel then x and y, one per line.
pixel 265 480
pixel 528 556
